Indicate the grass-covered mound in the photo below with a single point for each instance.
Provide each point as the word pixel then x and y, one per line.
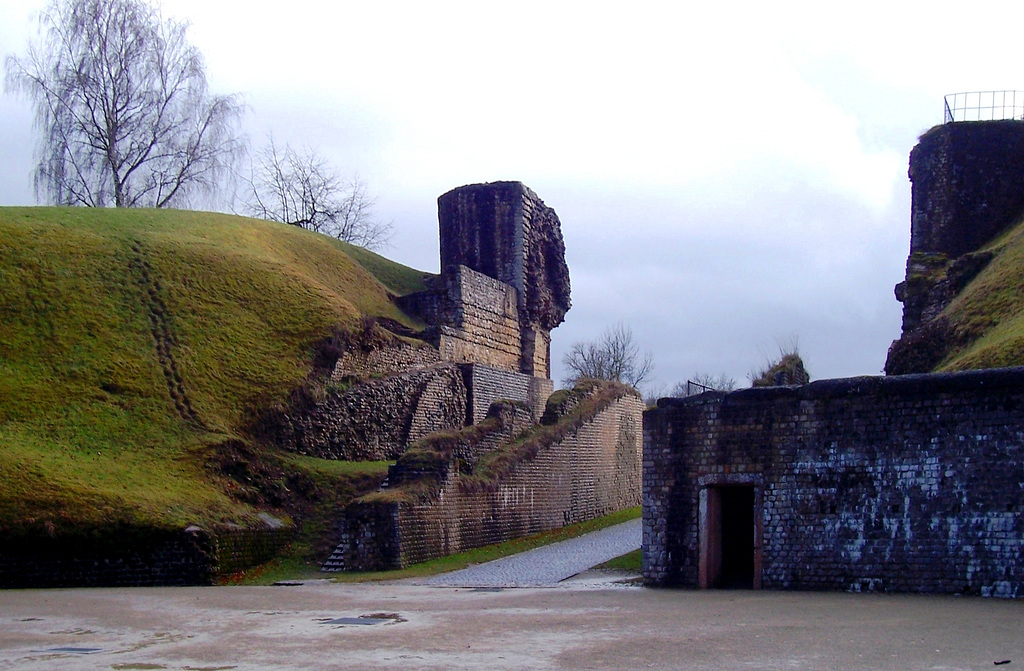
pixel 982 326
pixel 136 344
pixel 986 318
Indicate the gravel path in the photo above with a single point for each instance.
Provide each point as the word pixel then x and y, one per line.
pixel 548 565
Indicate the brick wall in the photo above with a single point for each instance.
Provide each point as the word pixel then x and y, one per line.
pixel 911 483
pixel 486 384
pixel 475 318
pixel 593 471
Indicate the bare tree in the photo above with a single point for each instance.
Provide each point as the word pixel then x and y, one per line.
pixel 614 356
pixel 702 382
pixel 122 102
pixel 304 190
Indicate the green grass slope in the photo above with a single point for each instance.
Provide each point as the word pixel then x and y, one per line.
pixel 134 342
pixel 987 317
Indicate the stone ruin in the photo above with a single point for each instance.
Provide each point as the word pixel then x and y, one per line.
pixel 966 180
pixel 503 286
pixel 504 283
pixel 477 377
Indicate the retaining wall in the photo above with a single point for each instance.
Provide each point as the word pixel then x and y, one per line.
pixel 135 557
pixel 375 420
pixel 593 471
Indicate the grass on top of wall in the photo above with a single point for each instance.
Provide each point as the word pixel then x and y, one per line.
pixel 91 302
pixel 429 459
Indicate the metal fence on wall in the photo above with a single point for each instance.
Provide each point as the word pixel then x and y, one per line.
pixel 984 106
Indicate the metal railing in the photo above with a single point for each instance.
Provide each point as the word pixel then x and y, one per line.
pixel 694 388
pixel 984 106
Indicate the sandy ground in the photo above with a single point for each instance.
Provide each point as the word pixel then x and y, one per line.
pixel 588 625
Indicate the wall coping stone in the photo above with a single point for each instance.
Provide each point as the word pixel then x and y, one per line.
pixel 923 383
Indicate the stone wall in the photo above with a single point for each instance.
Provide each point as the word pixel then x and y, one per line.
pixel 966 185
pixel 912 483
pixel 383 359
pixel 486 384
pixel 474 318
pixel 504 232
pixel 594 470
pixel 130 557
pixel 375 420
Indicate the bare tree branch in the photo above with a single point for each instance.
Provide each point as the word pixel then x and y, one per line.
pixel 122 102
pixel 702 382
pixel 304 190
pixel 615 356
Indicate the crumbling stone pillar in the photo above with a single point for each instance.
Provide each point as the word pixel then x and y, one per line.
pixel 506 232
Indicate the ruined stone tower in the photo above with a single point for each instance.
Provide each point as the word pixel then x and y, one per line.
pixel 504 283
pixel 966 180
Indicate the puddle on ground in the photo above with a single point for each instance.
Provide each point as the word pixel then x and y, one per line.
pixel 364 620
pixel 69 650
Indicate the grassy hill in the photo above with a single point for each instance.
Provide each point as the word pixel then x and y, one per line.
pixel 135 345
pixel 986 319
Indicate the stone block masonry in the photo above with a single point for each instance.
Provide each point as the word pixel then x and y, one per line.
pixel 592 471
pixel 504 283
pixel 474 318
pixel 907 484
pixel 486 385
pixel 505 231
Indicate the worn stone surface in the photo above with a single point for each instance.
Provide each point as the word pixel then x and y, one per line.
pixel 474 318
pixel 593 471
pixel 383 359
pixel 912 483
pixel 966 180
pixel 487 384
pixel 504 283
pixel 502 229
pixel 375 420
pixel 966 185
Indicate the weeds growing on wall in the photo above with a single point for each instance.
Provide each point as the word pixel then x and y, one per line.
pixel 419 473
pixel 564 415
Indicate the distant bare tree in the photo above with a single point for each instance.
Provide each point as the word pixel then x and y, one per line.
pixel 122 102
pixel 304 190
pixel 614 356
pixel 702 382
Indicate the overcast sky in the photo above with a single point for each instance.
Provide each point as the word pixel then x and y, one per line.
pixel 727 177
